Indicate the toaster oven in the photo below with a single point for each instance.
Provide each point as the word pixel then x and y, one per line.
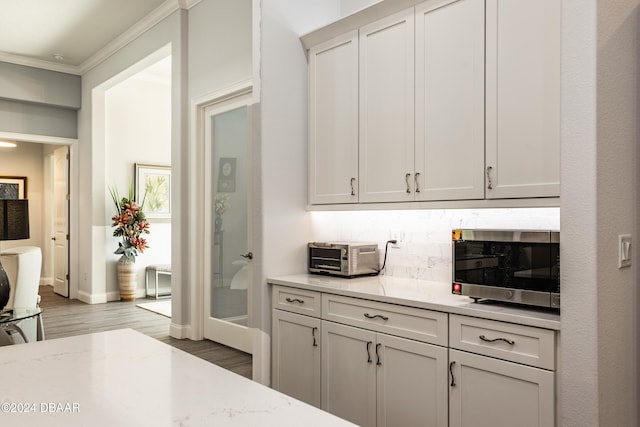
pixel 343 259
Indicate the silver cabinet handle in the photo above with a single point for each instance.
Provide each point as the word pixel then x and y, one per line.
pixel 415 178
pixel 294 300
pixel 453 380
pixel 489 183
pixel 373 316
pixel 369 352
pixel 406 178
pixel 378 361
pixel 353 186
pixel 313 333
pixel 508 341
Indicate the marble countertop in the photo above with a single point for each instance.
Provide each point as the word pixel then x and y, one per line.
pixel 125 378
pixel 421 294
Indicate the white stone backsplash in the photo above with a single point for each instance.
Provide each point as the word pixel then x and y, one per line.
pixel 424 236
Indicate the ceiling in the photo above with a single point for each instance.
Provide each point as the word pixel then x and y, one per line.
pixel 65 35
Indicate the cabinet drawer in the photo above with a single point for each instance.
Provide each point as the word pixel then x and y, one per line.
pixel 407 322
pixel 297 300
pixel 517 343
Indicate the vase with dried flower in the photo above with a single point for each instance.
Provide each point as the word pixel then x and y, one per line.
pixel 130 224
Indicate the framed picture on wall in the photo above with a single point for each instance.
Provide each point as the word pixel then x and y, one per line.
pixel 153 188
pixel 13 187
pixel 227 175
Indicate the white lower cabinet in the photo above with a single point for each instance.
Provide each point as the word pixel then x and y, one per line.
pixel 380 364
pixel 487 392
pixel 501 374
pixel 375 379
pixel 296 356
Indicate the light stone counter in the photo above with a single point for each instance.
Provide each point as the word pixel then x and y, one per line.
pixel 421 294
pixel 124 378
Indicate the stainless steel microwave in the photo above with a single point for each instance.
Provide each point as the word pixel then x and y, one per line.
pixel 519 266
pixel 344 259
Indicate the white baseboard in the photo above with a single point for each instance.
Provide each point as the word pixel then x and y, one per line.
pixel 48 281
pixel 92 298
pixel 179 331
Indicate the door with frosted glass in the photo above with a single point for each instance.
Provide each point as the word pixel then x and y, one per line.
pixel 227 228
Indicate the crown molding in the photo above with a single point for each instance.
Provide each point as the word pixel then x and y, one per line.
pixel 38 63
pixel 139 28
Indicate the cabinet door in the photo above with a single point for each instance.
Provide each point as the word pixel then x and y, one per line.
pixel 333 121
pixel 487 392
pixel 449 100
pixel 349 373
pixel 412 383
pixel 523 98
pixel 296 356
pixel 386 109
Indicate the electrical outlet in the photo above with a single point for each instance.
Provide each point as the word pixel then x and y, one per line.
pixel 398 236
pixel 624 250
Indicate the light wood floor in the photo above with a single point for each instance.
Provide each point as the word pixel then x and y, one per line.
pixel 64 317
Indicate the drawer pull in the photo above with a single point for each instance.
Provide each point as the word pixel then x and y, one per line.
pixel 378 362
pixel 508 341
pixel 373 316
pixel 368 351
pixel 453 379
pixel 313 333
pixel 295 300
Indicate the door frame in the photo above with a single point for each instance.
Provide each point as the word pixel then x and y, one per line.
pixel 196 192
pixel 72 143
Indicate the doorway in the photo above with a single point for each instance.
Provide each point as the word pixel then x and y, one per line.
pixel 59 220
pixel 227 226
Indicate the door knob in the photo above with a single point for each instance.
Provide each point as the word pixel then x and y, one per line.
pixel 248 255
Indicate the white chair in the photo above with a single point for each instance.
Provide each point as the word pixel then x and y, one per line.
pixel 23 266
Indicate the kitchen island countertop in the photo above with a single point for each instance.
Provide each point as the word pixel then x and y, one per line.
pixel 429 295
pixel 125 378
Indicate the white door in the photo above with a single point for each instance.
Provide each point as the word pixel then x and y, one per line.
pixel 61 221
pixel 386 109
pixel 296 344
pixel 488 392
pixel 227 229
pixel 349 373
pixel 333 121
pixel 450 100
pixel 412 383
pixel 523 98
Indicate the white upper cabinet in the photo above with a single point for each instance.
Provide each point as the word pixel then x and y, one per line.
pixel 449 104
pixel 523 98
pixel 386 118
pixel 333 121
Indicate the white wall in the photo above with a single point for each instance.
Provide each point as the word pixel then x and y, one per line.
pixel 137 130
pixel 283 133
pixel 599 201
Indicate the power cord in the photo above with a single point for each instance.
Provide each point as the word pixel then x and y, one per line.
pixel 386 247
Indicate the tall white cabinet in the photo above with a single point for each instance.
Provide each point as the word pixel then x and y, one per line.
pixel 386 109
pixel 447 100
pixel 333 120
pixel 449 126
pixel 523 98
